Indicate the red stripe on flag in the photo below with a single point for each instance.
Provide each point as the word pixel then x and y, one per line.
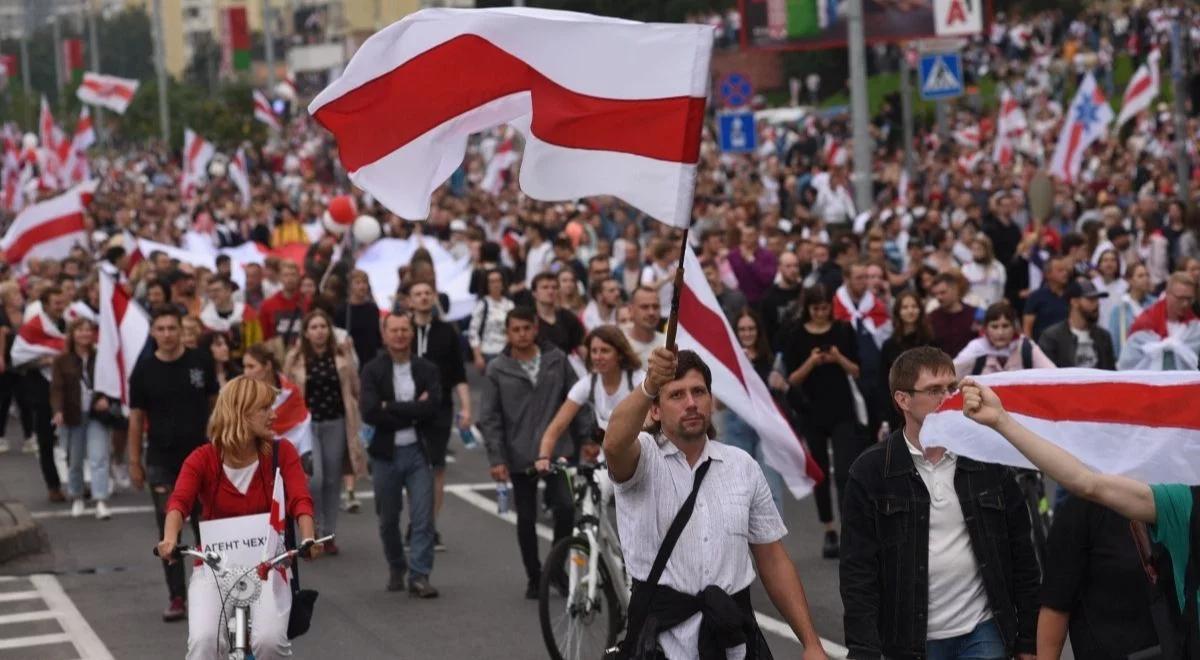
pixel 47 231
pixel 107 89
pixel 709 329
pixel 468 71
pixel 1139 86
pixel 120 303
pixel 1135 404
pixel 1072 147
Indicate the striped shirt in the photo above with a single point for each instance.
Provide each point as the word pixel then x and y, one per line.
pixel 733 510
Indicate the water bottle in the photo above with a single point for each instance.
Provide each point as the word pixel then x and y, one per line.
pixel 468 436
pixel 503 494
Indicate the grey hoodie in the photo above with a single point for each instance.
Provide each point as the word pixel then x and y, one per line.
pixel 516 412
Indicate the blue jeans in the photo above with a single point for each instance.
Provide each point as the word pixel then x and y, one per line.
pixel 329 449
pixel 88 441
pixel 408 470
pixel 982 643
pixel 735 432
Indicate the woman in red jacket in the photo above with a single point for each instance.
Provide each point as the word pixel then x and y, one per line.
pixel 232 476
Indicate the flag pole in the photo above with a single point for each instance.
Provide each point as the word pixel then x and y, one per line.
pixel 673 318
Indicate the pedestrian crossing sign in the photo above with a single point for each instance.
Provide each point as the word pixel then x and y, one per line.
pixel 941 76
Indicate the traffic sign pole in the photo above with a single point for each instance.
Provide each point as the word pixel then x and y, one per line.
pixel 856 44
pixel 906 110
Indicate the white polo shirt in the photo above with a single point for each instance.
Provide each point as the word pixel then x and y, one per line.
pixel 733 510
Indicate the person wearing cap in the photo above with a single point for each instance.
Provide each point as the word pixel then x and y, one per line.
pixel 1079 341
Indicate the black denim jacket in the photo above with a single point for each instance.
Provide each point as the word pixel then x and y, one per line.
pixel 885 552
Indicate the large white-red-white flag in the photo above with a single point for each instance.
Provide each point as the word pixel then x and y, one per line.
pixel 1138 423
pixel 54 150
pixel 124 330
pixel 1141 90
pixel 1010 124
pixel 263 111
pixel 1087 120
pixel 108 91
pixel 606 106
pixel 38 338
pixel 196 153
pixel 47 230
pixel 703 328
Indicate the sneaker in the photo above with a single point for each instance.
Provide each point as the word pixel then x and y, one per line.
pixel 120 474
pixel 438 546
pixel 102 510
pixel 531 590
pixel 176 611
pixel 56 495
pixel 420 588
pixel 395 580
pixel 76 508
pixel 331 549
pixel 831 547
pixel 352 503
pixel 30 446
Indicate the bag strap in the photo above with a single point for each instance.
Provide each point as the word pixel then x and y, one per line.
pixel 289 534
pixel 1026 353
pixel 592 391
pixel 980 362
pixel 676 528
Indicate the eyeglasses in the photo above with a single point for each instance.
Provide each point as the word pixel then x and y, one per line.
pixel 936 392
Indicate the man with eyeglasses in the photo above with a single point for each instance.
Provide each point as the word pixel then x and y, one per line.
pixel 1166 335
pixel 936 561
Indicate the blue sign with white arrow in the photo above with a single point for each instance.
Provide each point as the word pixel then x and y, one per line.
pixel 941 76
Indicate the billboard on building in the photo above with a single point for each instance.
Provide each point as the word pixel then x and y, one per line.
pixel 813 24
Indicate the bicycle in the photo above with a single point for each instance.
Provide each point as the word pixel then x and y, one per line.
pixel 240 591
pixel 584 582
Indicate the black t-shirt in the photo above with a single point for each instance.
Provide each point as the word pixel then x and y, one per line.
pixel 174 395
pixel 364 329
pixel 440 343
pixel 824 397
pixel 565 334
pixel 1093 572
pixel 1047 309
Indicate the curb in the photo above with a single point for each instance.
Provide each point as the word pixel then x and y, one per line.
pixel 19 533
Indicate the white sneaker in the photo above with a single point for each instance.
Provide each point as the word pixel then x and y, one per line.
pixel 102 510
pixel 30 446
pixel 120 474
pixel 77 508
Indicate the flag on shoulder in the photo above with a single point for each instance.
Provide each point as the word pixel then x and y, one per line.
pixel 107 91
pixel 606 106
pixel 1141 424
pixel 38 338
pixel 703 328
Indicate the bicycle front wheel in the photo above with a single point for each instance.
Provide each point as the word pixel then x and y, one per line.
pixel 574 626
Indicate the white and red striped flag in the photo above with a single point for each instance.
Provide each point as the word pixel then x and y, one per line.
pixel 293 422
pixel 38 338
pixel 503 158
pixel 54 150
pixel 76 168
pixel 606 106
pixel 1142 89
pixel 239 174
pixel 15 175
pixel 704 328
pixel 263 111
pixel 1156 344
pixel 196 153
pixel 1087 121
pixel 969 136
pixel 1010 124
pixel 124 329
pixel 107 91
pixel 1142 424
pixel 46 230
pixel 870 311
pixel 834 153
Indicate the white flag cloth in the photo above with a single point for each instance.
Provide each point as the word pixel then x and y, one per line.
pixel 382 261
pixel 46 230
pixel 124 330
pixel 1142 89
pixel 108 91
pixel 196 153
pixel 38 338
pixel 263 111
pixel 703 328
pixel 606 106
pixel 240 175
pixel 1087 120
pixel 1142 424
pixel 1010 124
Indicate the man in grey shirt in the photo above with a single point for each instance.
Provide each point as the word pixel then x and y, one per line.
pixel 733 527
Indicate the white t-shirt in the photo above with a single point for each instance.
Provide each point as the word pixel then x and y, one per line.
pixel 406 390
pixel 604 403
pixel 643 349
pixel 240 477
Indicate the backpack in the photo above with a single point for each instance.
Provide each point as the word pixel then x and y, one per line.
pixel 1026 358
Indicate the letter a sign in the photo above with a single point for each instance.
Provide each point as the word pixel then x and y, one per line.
pixel 958 18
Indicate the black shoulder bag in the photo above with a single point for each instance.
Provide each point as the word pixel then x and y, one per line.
pixel 643 594
pixel 303 600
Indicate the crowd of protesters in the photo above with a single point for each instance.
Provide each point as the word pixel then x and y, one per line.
pixel 826 299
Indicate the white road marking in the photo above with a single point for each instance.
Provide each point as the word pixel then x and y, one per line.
pixel 23 617
pixel 35 640
pixel 90 512
pixel 11 596
pixel 77 629
pixel 469 493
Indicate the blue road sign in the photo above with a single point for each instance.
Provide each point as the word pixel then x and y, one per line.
pixel 737 132
pixel 941 76
pixel 735 90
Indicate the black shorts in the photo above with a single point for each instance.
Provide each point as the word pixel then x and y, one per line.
pixel 437 440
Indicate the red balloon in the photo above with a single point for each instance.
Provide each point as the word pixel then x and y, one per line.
pixel 343 210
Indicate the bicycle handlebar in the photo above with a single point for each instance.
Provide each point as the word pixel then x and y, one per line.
pixel 213 559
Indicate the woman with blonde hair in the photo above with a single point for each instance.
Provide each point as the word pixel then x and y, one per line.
pixel 325 374
pixel 232 477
